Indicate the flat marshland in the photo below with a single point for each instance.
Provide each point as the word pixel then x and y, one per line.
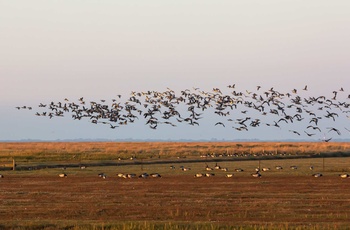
pixel 279 199
pixel 110 151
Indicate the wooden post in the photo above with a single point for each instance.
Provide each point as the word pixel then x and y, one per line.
pixel 13 164
pixel 323 164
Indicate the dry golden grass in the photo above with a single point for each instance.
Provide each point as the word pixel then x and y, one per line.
pixel 280 199
pixel 47 151
pixel 275 201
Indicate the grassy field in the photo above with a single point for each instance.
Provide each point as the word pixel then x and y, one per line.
pixel 280 199
pixel 114 151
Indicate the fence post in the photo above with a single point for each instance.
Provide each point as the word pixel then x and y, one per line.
pixel 323 164
pixel 13 164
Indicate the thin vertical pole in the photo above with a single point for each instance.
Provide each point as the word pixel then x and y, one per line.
pixel 323 163
pixel 13 164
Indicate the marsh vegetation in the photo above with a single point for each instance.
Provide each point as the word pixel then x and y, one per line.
pixel 279 199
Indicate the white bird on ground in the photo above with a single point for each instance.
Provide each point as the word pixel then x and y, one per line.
pixel 62 175
pixel 317 175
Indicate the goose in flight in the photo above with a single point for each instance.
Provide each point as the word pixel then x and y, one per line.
pixel 220 123
pixel 293 131
pixel 334 129
pixel 309 134
pixel 326 139
pixel 313 127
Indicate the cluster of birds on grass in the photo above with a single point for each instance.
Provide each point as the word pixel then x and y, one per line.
pixel 120 175
pixel 209 173
pixel 258 170
pixel 240 110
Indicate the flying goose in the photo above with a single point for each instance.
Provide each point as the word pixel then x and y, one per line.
pixel 326 139
pixel 219 123
pixel 293 131
pixel 334 129
pixel 309 134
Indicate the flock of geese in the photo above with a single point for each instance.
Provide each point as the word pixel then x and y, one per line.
pixel 257 173
pixel 209 172
pixel 120 175
pixel 240 110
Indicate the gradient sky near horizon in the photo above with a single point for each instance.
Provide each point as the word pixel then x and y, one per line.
pixel 51 50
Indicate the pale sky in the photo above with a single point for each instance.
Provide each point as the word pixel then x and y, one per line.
pixel 51 50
